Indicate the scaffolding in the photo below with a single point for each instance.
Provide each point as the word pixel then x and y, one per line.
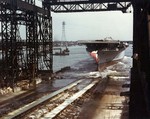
pixel 24 58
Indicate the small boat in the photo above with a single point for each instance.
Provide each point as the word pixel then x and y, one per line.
pixel 62 52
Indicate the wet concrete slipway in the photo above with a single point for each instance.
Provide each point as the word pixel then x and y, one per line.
pixel 107 102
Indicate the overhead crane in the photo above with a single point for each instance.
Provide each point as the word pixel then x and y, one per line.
pixel 87 5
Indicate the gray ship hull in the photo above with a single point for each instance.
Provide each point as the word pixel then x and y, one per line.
pixel 104 51
pixel 107 56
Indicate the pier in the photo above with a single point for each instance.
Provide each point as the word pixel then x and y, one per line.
pixel 22 61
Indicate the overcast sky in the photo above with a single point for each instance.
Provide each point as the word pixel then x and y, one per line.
pixel 93 25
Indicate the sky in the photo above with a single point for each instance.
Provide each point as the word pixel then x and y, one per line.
pixel 93 25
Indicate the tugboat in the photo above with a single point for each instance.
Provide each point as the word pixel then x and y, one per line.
pixel 63 52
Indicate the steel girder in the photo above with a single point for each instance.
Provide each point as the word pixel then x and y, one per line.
pixel 24 57
pixel 87 5
pixel 26 5
pixel 140 72
pixel 47 42
pixel 9 62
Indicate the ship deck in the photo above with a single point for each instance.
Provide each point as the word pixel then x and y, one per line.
pixel 99 41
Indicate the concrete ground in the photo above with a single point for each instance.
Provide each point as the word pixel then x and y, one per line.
pixel 108 104
pixel 111 104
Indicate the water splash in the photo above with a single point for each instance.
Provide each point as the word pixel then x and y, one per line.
pixel 122 66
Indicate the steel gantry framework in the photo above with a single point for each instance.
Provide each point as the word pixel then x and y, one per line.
pixel 24 58
pixel 87 5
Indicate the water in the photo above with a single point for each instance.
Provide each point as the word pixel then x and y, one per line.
pixel 84 67
pixel 128 51
pixel 79 57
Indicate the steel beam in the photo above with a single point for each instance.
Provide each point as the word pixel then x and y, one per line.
pixel 140 78
pixel 22 58
pixel 88 5
pixel 9 28
pixel 26 6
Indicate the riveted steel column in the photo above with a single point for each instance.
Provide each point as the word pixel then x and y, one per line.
pixel 138 91
pixel 9 43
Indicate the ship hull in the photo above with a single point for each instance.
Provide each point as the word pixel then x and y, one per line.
pixel 107 56
pixel 107 50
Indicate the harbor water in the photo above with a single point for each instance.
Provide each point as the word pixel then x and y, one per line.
pixel 79 56
pixel 83 66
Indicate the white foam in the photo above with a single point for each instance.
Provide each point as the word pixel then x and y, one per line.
pixel 107 72
pixel 118 77
pixel 127 60
pixel 95 74
pixel 125 64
